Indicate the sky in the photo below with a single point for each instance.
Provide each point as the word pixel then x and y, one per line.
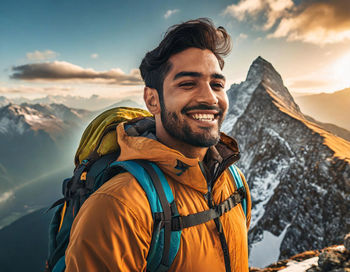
pixel 83 47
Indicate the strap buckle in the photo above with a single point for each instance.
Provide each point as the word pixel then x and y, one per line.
pixel 222 208
pixel 177 223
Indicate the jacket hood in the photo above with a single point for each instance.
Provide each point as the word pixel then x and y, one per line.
pixel 137 140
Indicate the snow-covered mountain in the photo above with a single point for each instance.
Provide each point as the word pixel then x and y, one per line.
pixel 298 173
pixel 4 101
pixel 52 119
pixel 35 139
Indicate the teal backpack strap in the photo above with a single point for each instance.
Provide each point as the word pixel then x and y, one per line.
pixel 165 242
pixel 239 184
pixel 60 265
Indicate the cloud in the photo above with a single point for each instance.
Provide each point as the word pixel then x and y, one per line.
pixel 272 10
pixel 65 71
pixel 318 22
pixel 241 37
pixel 244 9
pixel 322 22
pixel 170 12
pixel 41 55
pixel 94 56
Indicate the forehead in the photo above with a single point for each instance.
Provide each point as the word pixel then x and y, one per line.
pixel 194 60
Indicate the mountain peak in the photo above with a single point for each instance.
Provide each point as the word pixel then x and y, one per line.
pixel 263 70
pixel 260 59
pixel 261 73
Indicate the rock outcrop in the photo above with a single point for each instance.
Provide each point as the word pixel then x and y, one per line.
pixel 330 259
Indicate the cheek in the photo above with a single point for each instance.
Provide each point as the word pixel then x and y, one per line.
pixel 223 101
pixel 176 102
pixel 171 97
pixel 173 104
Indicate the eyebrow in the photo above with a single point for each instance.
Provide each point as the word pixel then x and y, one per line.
pixel 197 74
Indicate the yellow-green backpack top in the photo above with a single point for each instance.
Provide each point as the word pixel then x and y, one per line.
pixel 99 138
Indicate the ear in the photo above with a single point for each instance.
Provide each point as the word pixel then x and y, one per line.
pixel 151 98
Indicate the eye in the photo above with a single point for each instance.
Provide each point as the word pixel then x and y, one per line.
pixel 187 84
pixel 217 85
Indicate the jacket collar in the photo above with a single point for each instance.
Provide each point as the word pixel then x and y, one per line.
pixel 137 140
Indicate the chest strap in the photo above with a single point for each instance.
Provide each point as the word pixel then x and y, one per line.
pixel 181 222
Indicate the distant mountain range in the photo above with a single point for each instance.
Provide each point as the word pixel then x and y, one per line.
pixel 92 103
pixel 330 108
pixel 4 101
pixel 35 138
pixel 126 103
pixel 297 171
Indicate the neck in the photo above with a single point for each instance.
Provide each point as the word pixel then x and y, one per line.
pixel 186 149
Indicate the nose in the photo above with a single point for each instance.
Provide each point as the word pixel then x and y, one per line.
pixel 207 95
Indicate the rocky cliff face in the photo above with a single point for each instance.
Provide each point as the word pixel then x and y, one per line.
pixel 298 173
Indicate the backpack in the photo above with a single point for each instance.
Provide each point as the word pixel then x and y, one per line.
pixel 96 163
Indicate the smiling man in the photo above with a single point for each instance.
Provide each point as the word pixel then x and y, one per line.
pixel 193 103
pixel 184 90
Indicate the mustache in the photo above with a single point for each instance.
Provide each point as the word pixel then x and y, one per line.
pixel 202 107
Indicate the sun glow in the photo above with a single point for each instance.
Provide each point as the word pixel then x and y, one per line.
pixel 341 70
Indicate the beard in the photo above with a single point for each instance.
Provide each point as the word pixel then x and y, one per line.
pixel 182 131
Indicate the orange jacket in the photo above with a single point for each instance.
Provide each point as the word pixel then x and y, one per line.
pixel 113 229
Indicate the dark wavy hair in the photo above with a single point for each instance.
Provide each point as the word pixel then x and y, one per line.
pixel 200 33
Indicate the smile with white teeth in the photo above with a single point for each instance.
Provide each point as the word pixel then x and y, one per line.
pixel 203 117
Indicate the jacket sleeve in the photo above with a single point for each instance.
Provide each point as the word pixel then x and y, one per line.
pixel 110 233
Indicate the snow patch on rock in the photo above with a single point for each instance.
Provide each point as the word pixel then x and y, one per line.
pixel 228 124
pixel 267 250
pixel 294 266
pixel 265 183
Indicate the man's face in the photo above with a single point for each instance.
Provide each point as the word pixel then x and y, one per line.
pixel 194 101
